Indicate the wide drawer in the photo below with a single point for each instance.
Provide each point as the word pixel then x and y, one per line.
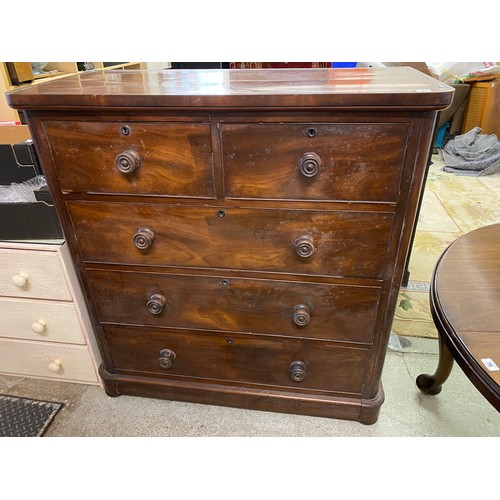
pixel 40 320
pixel 46 360
pixel 314 161
pixel 167 159
pixel 219 303
pixel 238 358
pixel 340 243
pixel 31 273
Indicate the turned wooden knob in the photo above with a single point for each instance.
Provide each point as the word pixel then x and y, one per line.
pixel 55 366
pixel 309 164
pixel 298 371
pixel 20 279
pixel 128 161
pixel 144 238
pixel 301 315
pixel 156 303
pixel 304 245
pixel 166 359
pixel 38 326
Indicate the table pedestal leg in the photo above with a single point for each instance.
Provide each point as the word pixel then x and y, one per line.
pixel 432 384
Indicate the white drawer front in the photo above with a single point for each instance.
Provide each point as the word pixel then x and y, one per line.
pixel 46 360
pixel 29 273
pixel 40 320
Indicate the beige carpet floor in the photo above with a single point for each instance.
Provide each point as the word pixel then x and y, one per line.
pixel 452 205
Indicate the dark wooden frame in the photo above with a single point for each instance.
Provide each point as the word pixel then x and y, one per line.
pixel 132 100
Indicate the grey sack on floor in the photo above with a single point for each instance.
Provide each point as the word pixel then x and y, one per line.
pixel 472 154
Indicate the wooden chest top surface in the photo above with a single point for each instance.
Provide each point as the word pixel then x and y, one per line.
pixel 353 87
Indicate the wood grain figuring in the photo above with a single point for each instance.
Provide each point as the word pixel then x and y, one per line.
pixel 359 162
pixel 242 242
pixel 61 320
pixel 239 305
pixel 347 243
pixel 468 279
pixel 465 299
pixel 45 278
pixel 238 358
pixel 484 345
pixel 391 88
pixel 176 159
pixel 285 400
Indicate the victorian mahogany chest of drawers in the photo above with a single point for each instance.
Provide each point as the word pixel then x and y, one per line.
pixel 240 234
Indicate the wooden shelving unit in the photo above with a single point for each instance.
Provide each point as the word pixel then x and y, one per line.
pixel 483 107
pixel 71 67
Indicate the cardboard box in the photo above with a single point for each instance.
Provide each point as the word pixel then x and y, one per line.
pixel 18 163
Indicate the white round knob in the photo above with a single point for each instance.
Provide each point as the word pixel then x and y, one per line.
pixel 20 279
pixel 38 326
pixel 55 366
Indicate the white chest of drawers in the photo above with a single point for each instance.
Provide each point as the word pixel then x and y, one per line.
pixel 44 326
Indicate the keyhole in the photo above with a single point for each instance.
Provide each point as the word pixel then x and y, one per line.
pixel 221 214
pixel 312 132
pixel 125 130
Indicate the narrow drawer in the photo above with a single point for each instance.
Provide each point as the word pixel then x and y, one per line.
pixel 46 360
pixel 40 320
pixel 166 159
pixel 220 303
pixel 33 274
pixel 314 161
pixel 339 243
pixel 237 358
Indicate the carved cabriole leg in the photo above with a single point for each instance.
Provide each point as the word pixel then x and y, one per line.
pixel 432 384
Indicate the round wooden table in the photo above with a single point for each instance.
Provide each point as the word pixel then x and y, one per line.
pixel 465 305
